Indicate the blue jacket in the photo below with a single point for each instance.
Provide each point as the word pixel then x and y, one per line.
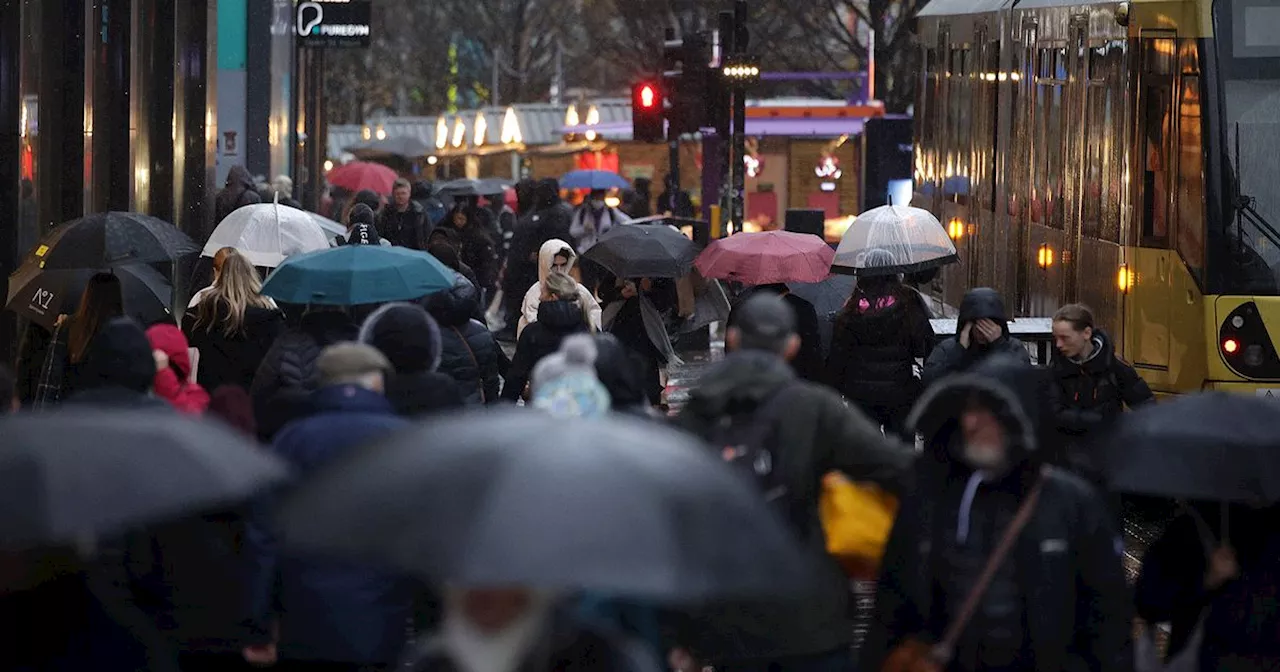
pixel 329 610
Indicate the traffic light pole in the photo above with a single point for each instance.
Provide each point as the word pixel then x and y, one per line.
pixel 737 165
pixel 673 172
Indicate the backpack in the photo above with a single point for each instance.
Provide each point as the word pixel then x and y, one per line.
pixel 746 440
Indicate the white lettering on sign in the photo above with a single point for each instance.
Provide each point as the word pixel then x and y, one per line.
pixel 349 30
pixel 42 299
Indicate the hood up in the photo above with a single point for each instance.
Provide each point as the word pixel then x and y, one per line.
pixel 169 339
pixel 1013 390
pixel 547 254
pixel 406 334
pixel 239 176
pixel 743 378
pixel 982 303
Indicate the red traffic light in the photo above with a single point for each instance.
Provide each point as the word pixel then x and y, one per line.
pixel 648 97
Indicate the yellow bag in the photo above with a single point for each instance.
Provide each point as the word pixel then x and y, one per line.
pixel 857 518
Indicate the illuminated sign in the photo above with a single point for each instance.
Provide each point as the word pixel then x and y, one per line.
pixel 338 24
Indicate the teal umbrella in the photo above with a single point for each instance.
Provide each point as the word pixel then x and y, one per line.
pixel 357 274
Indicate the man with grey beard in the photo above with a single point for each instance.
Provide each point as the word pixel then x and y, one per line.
pixel 1056 600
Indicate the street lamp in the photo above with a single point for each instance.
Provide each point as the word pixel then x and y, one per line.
pixel 741 72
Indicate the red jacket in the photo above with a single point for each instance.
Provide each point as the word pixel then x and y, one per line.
pixel 174 383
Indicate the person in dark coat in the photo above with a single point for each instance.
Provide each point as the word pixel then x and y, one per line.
pixel 811 433
pixel 50 364
pixel 1093 384
pixel 1198 569
pixel 286 377
pixel 239 192
pixel 331 614
pixel 875 343
pixel 807 362
pixel 639 201
pixel 478 250
pixel 424 194
pixel 982 329
pixel 404 221
pixel 446 245
pixel 644 335
pixel 1059 599
pixel 232 326
pixel 119 370
pixel 360 228
pixel 411 339
pixel 548 218
pixel 523 630
pixel 469 354
pixel 674 201
pixel 559 315
pixel 621 371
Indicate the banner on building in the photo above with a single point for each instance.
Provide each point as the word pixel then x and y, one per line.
pixel 334 24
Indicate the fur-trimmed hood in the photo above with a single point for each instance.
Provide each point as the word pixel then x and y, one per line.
pixel 1015 391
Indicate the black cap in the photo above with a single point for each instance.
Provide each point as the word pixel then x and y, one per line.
pixel 763 320
pixel 361 214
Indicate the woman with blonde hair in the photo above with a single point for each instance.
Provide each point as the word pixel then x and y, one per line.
pixel 561 314
pixel 233 325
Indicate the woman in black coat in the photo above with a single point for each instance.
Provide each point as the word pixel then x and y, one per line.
pixel 478 250
pixel 877 338
pixel 559 316
pixel 287 375
pixel 233 326
pixel 468 353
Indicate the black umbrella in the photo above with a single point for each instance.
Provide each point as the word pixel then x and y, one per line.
pixel 489 186
pixel 514 497
pixel 112 239
pixel 828 298
pixel 41 295
pixel 643 251
pixel 1213 446
pixel 72 474
pixel 404 146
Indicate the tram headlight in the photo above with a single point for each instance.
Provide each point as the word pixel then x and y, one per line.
pixel 1230 346
pixel 1254 355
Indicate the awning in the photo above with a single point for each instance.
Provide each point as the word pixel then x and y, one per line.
pixel 826 128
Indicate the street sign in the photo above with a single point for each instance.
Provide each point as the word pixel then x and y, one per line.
pixel 333 24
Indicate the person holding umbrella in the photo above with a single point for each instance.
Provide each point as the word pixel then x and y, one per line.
pixel 101 302
pixel 477 246
pixel 233 326
pixel 633 312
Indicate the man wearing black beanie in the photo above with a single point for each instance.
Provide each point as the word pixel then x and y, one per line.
pixel 360 227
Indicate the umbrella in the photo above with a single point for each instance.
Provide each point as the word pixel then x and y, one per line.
pixel 515 497
pixel 828 298
pixel 41 295
pixel 330 227
pixel 67 474
pixel 360 175
pixel 111 239
pixel 489 186
pixel 268 233
pixel 593 179
pixel 767 257
pixel 893 239
pixel 405 146
pixel 1211 446
pixel 357 274
pixel 638 251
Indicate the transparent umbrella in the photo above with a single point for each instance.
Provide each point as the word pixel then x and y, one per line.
pixel 893 239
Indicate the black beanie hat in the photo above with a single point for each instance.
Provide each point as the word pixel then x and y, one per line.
pixel 360 214
pixel 119 356
pixel 406 334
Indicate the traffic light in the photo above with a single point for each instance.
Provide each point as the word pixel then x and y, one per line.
pixel 647 112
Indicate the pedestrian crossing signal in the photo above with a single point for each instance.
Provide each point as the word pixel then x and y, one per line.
pixel 647 113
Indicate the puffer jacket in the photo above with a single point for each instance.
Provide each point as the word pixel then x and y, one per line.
pixel 556 321
pixel 1092 394
pixel 874 345
pixel 532 304
pixel 287 375
pixel 950 357
pixel 468 353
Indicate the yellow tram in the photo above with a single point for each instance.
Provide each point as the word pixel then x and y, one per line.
pixel 1121 154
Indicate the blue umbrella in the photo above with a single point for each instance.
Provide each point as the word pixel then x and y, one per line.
pixel 357 274
pixel 593 179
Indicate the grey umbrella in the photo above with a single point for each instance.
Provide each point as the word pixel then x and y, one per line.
pixel 516 497
pixel 76 473
pixel 405 146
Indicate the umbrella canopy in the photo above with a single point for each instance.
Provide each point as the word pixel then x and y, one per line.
pixel 330 227
pixel 71 474
pixel 267 234
pixel 767 257
pixel 515 497
pixel 357 274
pixel 360 175
pixel 828 298
pixel 489 186
pixel 41 295
pixel 403 146
pixel 593 179
pixel 893 239
pixel 1212 446
pixel 639 251
pixel 112 239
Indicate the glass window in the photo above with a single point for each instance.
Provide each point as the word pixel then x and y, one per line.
pixel 1157 121
pixel 1190 185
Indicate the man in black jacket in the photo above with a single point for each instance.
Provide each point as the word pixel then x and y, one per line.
pixel 404 220
pixel 1093 384
pixel 1058 601
pixel 812 433
pixel 982 329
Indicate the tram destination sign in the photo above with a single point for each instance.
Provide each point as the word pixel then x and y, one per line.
pixel 333 24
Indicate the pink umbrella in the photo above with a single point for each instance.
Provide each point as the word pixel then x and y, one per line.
pixel 361 175
pixel 767 257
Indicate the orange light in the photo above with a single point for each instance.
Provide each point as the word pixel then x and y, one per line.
pixel 1124 279
pixel 1044 256
pixel 955 228
pixel 647 96
pixel 1230 345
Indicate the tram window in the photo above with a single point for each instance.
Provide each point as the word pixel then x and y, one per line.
pixel 1157 119
pixel 1095 167
pixel 1190 186
pixel 1160 56
pixel 1098 63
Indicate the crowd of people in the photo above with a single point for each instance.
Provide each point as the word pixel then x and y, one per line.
pixel 1006 554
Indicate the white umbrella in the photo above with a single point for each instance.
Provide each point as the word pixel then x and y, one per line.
pixel 893 239
pixel 268 233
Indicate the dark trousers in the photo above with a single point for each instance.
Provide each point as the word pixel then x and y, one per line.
pixel 840 660
pixel 892 418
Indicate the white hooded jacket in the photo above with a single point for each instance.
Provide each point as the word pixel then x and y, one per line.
pixel 533 297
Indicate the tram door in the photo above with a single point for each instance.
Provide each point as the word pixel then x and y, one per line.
pixel 1148 312
pixel 1074 153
